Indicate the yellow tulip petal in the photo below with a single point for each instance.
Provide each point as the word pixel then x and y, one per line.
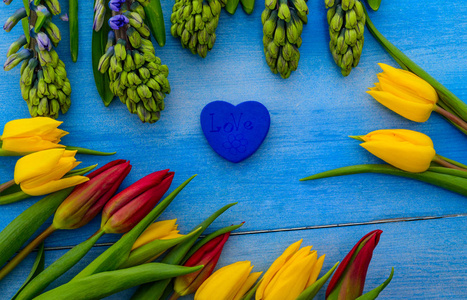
pixel 172 235
pixel 247 285
pixel 225 282
pixel 316 270
pixel 412 81
pixel 31 127
pixel 387 85
pixel 63 167
pixel 399 135
pixel 275 267
pixel 403 155
pixel 155 231
pixel 36 164
pixel 54 186
pixel 29 144
pixel 417 112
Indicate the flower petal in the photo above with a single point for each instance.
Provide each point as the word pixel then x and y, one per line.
pixel 55 185
pixel 36 164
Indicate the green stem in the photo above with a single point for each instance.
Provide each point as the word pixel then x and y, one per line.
pixel 14 197
pixel 459 107
pixel 449 163
pixel 88 151
pixel 6 185
pixel 26 250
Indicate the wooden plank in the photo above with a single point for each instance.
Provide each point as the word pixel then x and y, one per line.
pixel 428 256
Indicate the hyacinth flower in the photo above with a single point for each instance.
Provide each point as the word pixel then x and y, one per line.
pixel 411 155
pixel 448 104
pixel 228 283
pixel 44 83
pixel 24 136
pixel 409 96
pixel 81 206
pixel 128 65
pixel 290 274
pixel 207 255
pixel 348 281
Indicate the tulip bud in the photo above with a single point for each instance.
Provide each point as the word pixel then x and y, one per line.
pixel 162 230
pixel 229 282
pixel 349 279
pixel 127 208
pixel 290 274
pixel 408 150
pixel 404 93
pixel 88 199
pixel 207 255
pixel 41 172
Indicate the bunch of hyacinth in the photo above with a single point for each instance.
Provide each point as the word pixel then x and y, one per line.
pixel 136 75
pixel 44 83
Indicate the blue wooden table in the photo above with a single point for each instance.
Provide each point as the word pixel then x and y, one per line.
pixel 312 114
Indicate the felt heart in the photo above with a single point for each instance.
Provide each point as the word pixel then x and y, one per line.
pixel 235 132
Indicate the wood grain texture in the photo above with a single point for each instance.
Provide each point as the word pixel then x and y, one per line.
pixel 312 113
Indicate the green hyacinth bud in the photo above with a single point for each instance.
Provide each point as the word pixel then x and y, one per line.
pixel 19 14
pixel 134 37
pixel 144 92
pixel 27 76
pixel 359 11
pixel 338 19
pixel 138 8
pixel 301 6
pixel 110 40
pixel 341 46
pixel 66 88
pixel 270 25
pixel 153 85
pixel 265 15
pixel 329 3
pixel 120 50
pixel 271 4
pixel 52 32
pixel 53 6
pixel 206 15
pixel 138 59
pixel 144 74
pixel 16 45
pixel 52 92
pixel 104 61
pixel 273 50
pixel 351 37
pixel 14 59
pixel 330 14
pixel 212 25
pixel 279 33
pixel 185 38
pixel 144 30
pixel 350 19
pixel 215 7
pixel 24 90
pixel 292 32
pixel 115 65
pixel 43 107
pixel 134 19
pixel 284 10
pixel 129 64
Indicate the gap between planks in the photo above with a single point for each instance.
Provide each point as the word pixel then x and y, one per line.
pixel 382 221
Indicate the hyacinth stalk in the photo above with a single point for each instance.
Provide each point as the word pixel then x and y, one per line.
pixel 136 74
pixel 44 83
pixel 346 19
pixel 195 23
pixel 282 29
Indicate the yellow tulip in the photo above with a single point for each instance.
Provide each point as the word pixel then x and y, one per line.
pixel 408 150
pixel 228 283
pixel 290 274
pixel 404 93
pixel 30 135
pixel 41 172
pixel 162 230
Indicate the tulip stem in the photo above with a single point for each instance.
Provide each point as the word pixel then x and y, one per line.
pixel 450 116
pixel 445 162
pixel 26 250
pixel 6 185
pixel 174 296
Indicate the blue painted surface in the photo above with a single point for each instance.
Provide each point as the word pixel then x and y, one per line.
pixel 312 113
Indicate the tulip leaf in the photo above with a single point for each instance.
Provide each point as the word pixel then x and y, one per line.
pixel 373 294
pixel 58 268
pixel 446 96
pixel 80 171
pixel 374 4
pixel 209 237
pixel 175 256
pixel 15 234
pixel 37 268
pixel 251 293
pixel 89 151
pixel 310 292
pixel 99 41
pixel 445 180
pixel 74 28
pixel 119 252
pixel 155 20
pixel 101 285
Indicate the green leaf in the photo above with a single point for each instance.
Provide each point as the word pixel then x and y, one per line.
pixel 25 24
pixel 374 4
pixel 26 7
pixel 445 179
pixel 37 268
pixel 251 293
pixel 373 294
pixel 23 226
pixel 119 252
pixel 231 6
pixel 155 21
pixel 89 151
pixel 311 291
pixel 41 18
pixel 248 5
pixel 99 41
pixel 74 32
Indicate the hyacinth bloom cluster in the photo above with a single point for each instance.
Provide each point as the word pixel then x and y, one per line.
pixel 30 135
pixel 228 283
pixel 136 74
pixel 41 173
pixel 44 82
pixel 290 274
pixel 127 208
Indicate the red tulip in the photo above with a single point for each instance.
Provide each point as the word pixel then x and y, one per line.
pixel 131 205
pixel 349 279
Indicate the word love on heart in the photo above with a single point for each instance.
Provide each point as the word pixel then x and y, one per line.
pixel 235 132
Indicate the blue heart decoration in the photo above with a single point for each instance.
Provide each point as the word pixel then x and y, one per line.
pixel 235 132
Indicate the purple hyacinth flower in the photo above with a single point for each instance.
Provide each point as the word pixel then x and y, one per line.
pixel 43 42
pixel 118 21
pixel 116 5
